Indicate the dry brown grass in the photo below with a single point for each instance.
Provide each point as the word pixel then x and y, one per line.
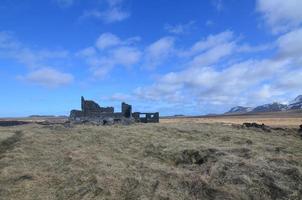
pixel 280 119
pixel 181 160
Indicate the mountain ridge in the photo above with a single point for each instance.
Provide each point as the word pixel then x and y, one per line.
pixel 272 107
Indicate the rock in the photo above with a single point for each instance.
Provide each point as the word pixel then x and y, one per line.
pixel 197 157
pixel 259 126
pixel 13 123
pixel 300 130
pixel 108 121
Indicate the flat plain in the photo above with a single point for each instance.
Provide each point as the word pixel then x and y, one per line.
pixel 290 119
pixel 179 158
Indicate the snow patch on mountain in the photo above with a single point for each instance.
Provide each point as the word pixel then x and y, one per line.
pixel 239 109
pixel 274 107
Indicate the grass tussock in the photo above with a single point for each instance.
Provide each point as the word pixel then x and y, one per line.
pixel 149 161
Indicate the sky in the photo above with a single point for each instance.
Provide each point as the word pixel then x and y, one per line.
pixel 177 57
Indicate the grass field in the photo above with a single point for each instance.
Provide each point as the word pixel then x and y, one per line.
pixel 176 159
pixel 291 119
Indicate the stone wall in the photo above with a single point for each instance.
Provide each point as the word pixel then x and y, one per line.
pixel 90 108
pixel 92 112
pixel 126 110
pixel 146 117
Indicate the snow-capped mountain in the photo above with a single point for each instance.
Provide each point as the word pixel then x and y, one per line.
pixel 296 104
pixel 274 107
pixel 239 109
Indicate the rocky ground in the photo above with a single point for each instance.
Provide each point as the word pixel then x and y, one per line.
pixel 180 160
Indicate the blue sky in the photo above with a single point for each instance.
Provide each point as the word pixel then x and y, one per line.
pixel 175 57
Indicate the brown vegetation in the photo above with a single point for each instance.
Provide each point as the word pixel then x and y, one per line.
pixel 290 119
pixel 149 161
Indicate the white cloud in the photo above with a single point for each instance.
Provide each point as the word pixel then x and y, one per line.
pixel 109 52
pixel 204 82
pixel 180 28
pixel 119 97
pixel 158 51
pixel 290 44
pixel 266 92
pixel 48 77
pixel 211 49
pixel 156 92
pixel 7 41
pixel 107 40
pixel 212 41
pixel 209 23
pixel 218 5
pixel 216 47
pixel 214 86
pixel 114 12
pixel 39 62
pixel 290 82
pixel 87 52
pixel 113 3
pixel 281 15
pixel 108 16
pixel 215 73
pixel 126 56
pixel 11 48
pixel 102 70
pixel 114 15
pixel 214 54
pixel 246 48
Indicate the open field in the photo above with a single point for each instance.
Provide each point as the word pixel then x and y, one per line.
pixel 181 159
pixel 278 119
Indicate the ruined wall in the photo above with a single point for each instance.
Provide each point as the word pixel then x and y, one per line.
pixel 92 112
pixel 146 117
pixel 126 110
pixel 74 114
pixel 90 108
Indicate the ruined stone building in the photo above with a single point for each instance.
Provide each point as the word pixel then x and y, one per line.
pixel 92 112
pixel 146 117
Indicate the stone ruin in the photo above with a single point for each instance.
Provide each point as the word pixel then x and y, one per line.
pixel 146 117
pixel 93 113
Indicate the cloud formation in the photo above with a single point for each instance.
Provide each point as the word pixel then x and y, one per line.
pixel 107 40
pixel 110 52
pixel 180 28
pixel 218 5
pixel 157 52
pixel 290 44
pixel 207 81
pixel 280 15
pixel 113 13
pixel 38 62
pixel 47 77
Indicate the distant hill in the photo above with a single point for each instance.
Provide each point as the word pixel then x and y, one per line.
pixel 274 107
pixel 239 110
pixel 43 116
pixel 180 115
pixel 296 103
